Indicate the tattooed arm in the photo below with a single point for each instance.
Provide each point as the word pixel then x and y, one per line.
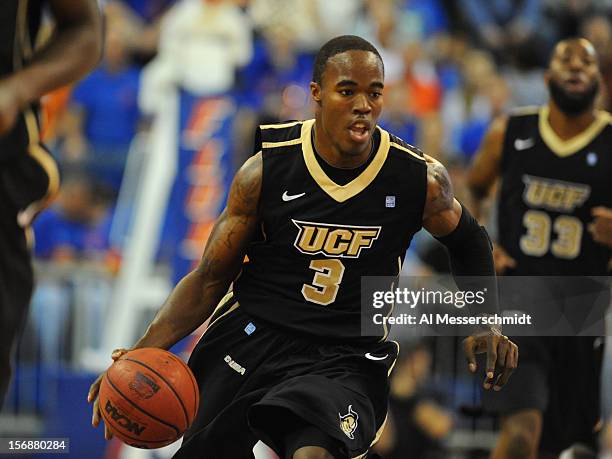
pixel 198 293
pixel 471 263
pixel 442 211
pixel 194 298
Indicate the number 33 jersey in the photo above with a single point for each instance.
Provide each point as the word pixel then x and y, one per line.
pixel 549 187
pixel 318 238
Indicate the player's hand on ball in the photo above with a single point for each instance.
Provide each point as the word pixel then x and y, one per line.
pixel 502 356
pixel 92 396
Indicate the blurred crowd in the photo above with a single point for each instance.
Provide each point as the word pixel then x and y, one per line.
pixel 451 66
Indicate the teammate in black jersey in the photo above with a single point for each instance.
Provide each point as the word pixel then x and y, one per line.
pixel 28 175
pixel 322 203
pixel 555 164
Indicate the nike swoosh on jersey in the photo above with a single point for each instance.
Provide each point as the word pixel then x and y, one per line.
pixel 523 144
pixel 373 357
pixel 291 197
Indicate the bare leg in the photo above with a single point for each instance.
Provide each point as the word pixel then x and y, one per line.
pixel 520 436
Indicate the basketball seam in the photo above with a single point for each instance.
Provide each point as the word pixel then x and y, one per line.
pixel 109 423
pixel 187 423
pixel 139 408
pixel 193 383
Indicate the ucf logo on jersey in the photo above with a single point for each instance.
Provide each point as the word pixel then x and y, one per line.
pixel 554 194
pixel 334 240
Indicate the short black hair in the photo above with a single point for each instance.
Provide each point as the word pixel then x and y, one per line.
pixel 339 45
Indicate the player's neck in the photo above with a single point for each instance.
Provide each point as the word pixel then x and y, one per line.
pixel 566 126
pixel 333 156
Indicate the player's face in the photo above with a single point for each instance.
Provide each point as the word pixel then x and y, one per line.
pixel 350 99
pixel 573 76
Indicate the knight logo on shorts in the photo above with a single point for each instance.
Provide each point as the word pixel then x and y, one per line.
pixel 122 420
pixel 348 422
pixel 332 240
pixel 144 386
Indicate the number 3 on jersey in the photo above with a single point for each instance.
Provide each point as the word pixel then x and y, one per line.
pixel 537 240
pixel 326 283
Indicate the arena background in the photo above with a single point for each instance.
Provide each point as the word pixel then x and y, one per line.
pixel 148 144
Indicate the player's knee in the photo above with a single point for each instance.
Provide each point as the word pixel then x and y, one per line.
pixel 521 445
pixel 312 452
pixel 522 441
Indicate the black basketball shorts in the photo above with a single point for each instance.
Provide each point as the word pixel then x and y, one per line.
pixel 559 376
pixel 259 383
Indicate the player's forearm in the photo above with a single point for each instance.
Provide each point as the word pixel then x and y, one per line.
pixel 471 260
pixel 191 302
pixel 72 52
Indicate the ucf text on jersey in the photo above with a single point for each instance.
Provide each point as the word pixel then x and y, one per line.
pixel 549 187
pixel 318 237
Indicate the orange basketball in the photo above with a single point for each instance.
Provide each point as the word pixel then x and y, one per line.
pixel 148 398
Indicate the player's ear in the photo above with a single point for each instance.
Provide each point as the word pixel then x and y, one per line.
pixel 315 92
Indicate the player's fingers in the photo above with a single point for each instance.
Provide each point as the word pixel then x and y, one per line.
pixel 509 367
pixel 596 232
pixel 503 346
pixel 118 353
pixel 468 350
pixel 491 360
pixel 94 388
pixel 107 433
pixel 601 211
pixel 95 415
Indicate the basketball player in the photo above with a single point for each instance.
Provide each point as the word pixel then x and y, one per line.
pixel 28 175
pixel 555 164
pixel 321 204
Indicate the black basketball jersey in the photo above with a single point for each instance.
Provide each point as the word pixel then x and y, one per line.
pixel 319 238
pixel 19 24
pixel 549 187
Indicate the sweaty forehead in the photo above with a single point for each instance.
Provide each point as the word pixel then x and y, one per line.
pixel 354 65
pixel 579 45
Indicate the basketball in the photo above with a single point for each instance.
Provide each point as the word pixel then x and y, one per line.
pixel 148 398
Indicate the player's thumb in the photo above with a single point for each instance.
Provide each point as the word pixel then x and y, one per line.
pixel 468 349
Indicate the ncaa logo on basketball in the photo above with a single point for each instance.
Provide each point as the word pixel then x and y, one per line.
pixel 144 386
pixel 348 422
pixel 334 240
pixel 122 420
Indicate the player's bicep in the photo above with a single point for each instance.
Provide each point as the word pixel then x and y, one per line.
pixel 442 211
pixel 236 225
pixel 484 169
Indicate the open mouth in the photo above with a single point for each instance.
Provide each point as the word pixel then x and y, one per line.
pixel 359 132
pixel 575 84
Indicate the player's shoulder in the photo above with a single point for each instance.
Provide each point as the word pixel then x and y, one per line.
pixel 528 111
pixel 516 120
pixel 401 148
pixel 277 134
pixel 604 117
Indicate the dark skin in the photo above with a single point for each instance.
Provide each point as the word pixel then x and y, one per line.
pixel 349 101
pixel 74 50
pixel 574 67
